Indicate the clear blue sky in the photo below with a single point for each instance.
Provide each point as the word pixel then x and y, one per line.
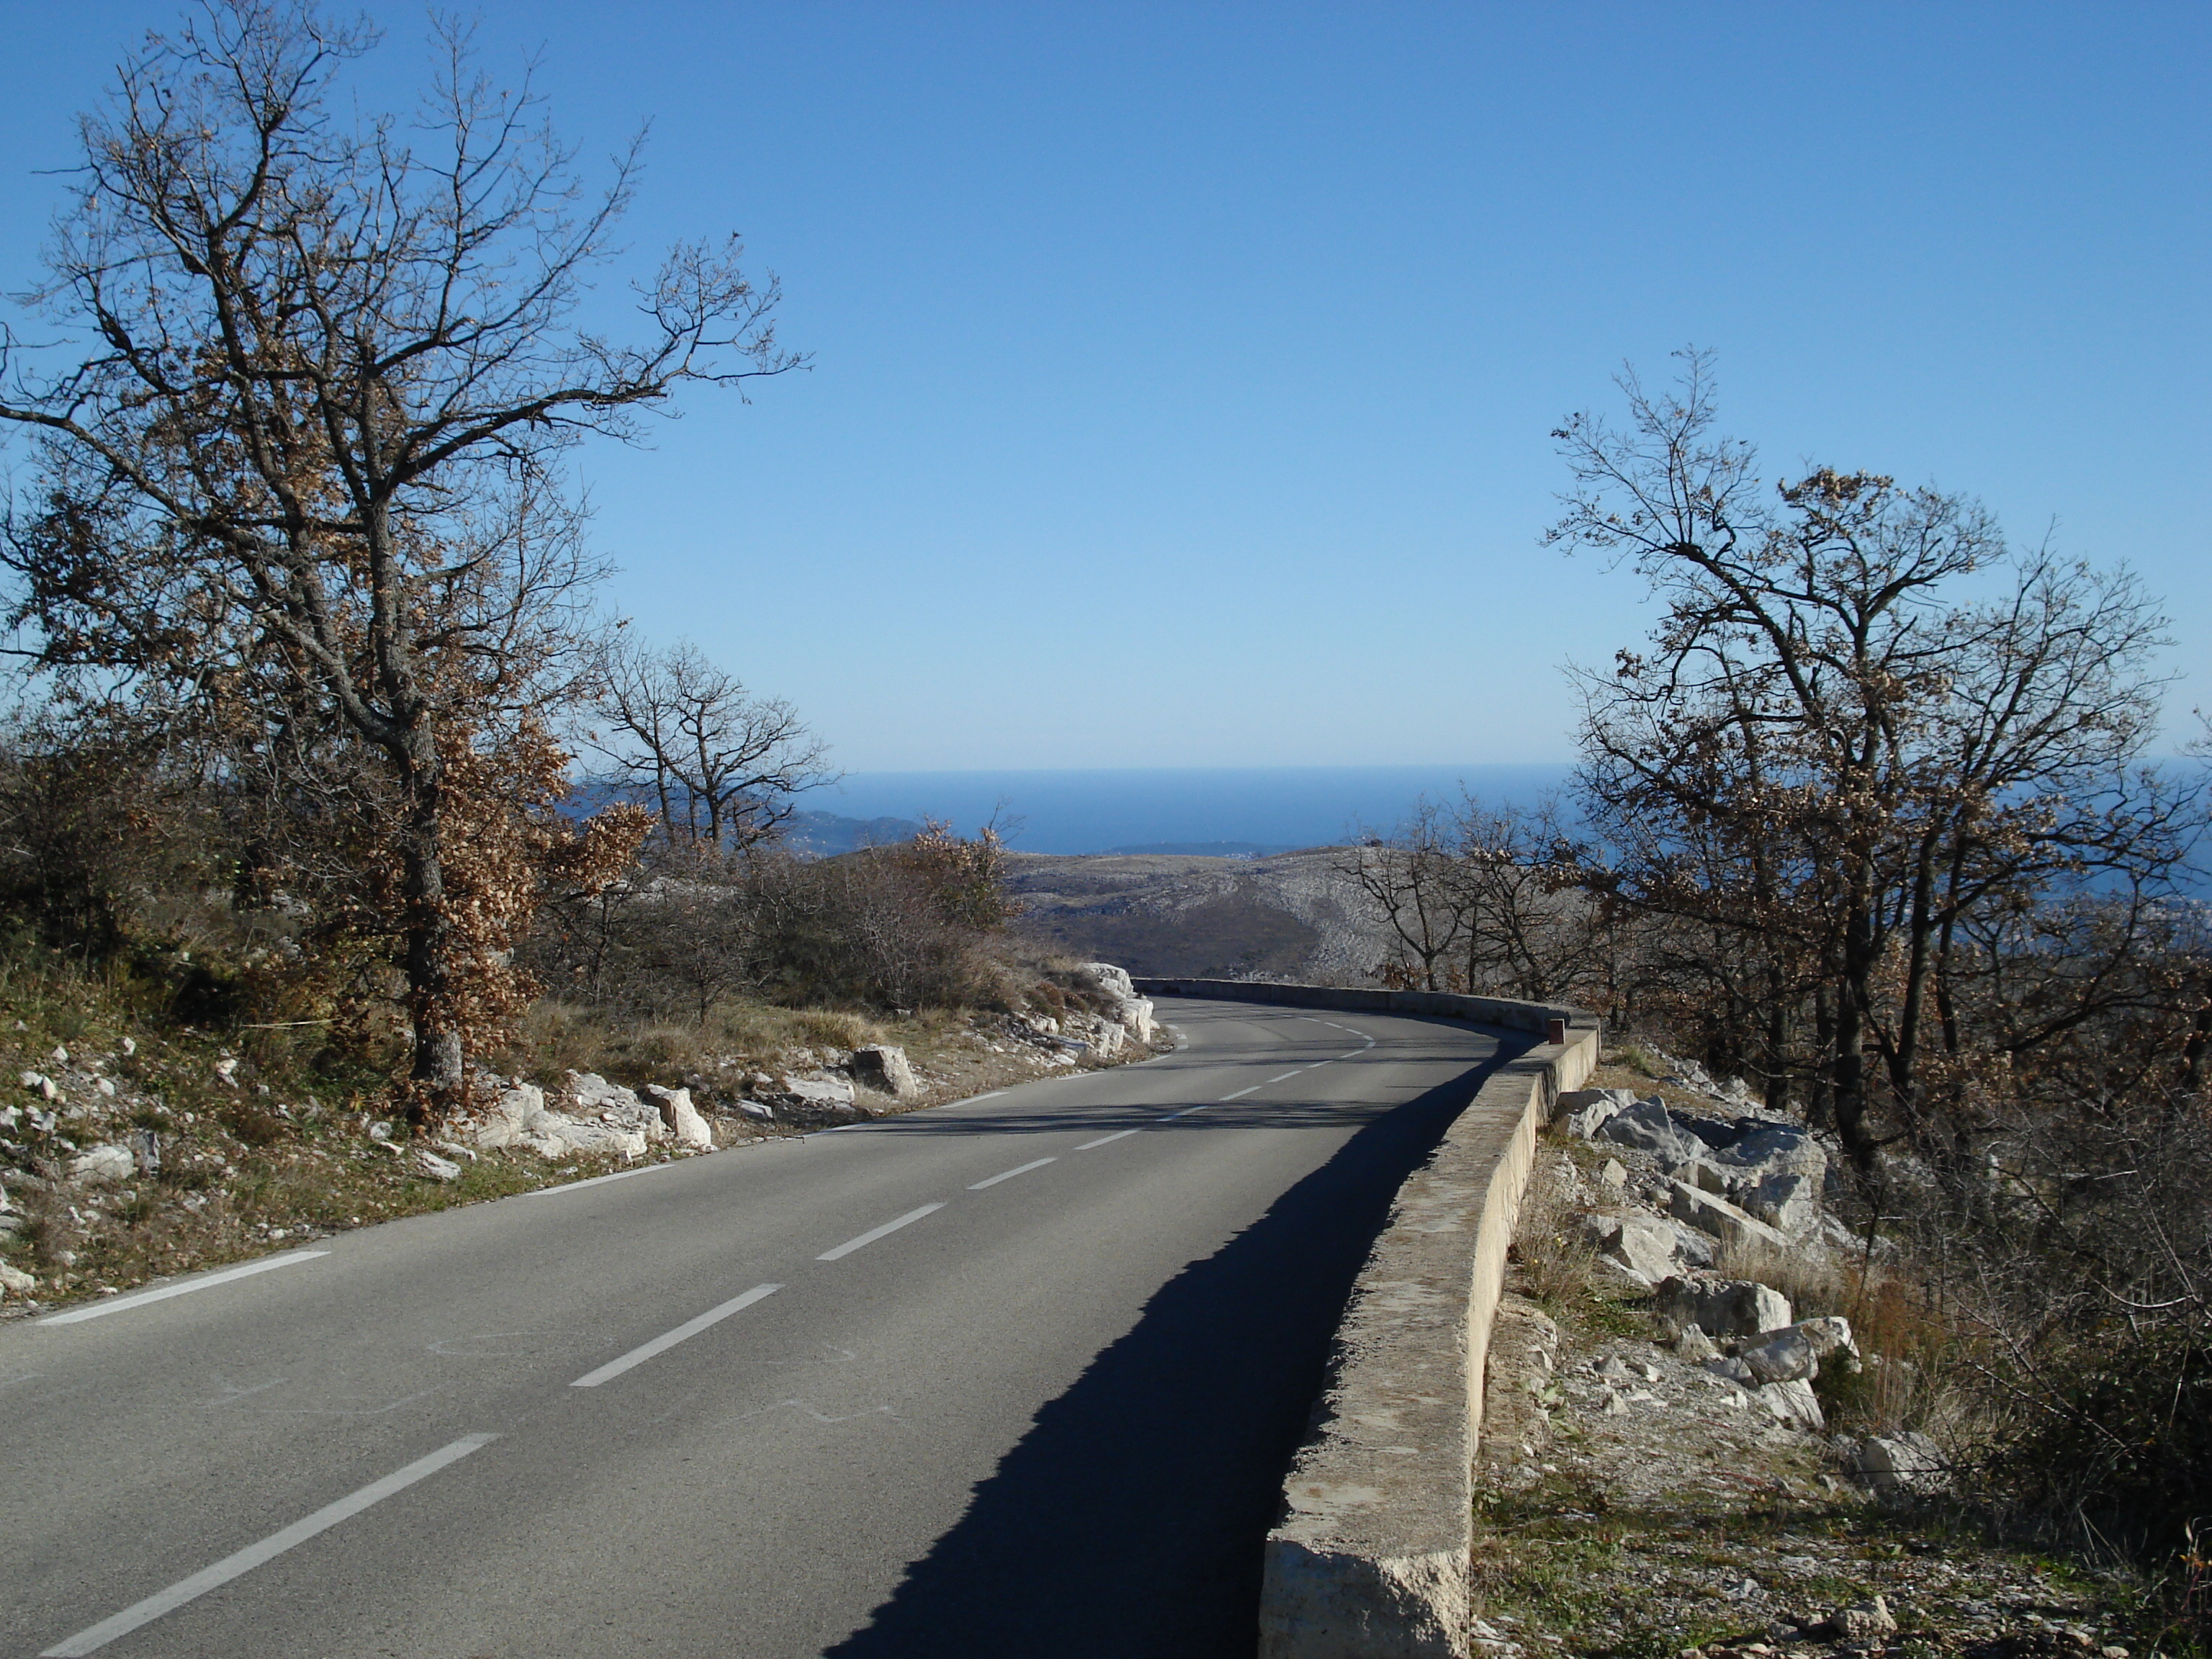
pixel 1183 373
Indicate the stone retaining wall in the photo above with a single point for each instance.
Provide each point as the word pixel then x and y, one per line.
pixel 1372 1555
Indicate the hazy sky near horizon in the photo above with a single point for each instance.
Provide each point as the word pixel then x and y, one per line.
pixel 1182 375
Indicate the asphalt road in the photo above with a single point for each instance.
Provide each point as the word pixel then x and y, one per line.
pixel 1014 1377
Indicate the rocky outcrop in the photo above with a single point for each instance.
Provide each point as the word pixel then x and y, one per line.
pixel 619 1123
pixel 1687 1187
pixel 1131 1012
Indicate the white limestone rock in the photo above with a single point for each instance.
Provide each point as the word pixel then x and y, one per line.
pixel 1111 981
pixel 1772 1148
pixel 438 1169
pixel 884 1065
pixel 1786 1199
pixel 1644 1124
pixel 1793 1405
pixel 831 1093
pixel 1126 1009
pixel 1728 1307
pixel 1795 1351
pixel 1862 1623
pixel 1710 1213
pixel 1580 1112
pixel 556 1134
pixel 589 1095
pixel 681 1118
pixel 1906 1463
pixel 1644 1243
pixel 103 1165
pixel 513 1106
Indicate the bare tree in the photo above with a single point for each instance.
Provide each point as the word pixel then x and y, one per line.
pixel 723 765
pixel 1406 879
pixel 307 455
pixel 1530 930
pixel 1825 745
pixel 1485 899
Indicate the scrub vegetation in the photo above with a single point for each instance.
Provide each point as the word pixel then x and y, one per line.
pixel 333 803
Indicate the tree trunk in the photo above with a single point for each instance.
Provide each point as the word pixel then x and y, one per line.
pixel 436 1072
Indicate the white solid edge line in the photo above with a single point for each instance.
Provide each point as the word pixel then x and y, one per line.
pixel 972 1099
pixel 231 1566
pixel 596 1181
pixel 1241 1093
pixel 875 1233
pixel 1008 1174
pixel 1118 1134
pixel 163 1292
pixel 689 1328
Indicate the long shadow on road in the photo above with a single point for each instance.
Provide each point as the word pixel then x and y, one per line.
pixel 1129 1519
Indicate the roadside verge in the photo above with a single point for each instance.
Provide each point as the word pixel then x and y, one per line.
pixel 1372 1555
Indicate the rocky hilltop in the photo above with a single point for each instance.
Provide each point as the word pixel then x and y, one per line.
pixel 1290 916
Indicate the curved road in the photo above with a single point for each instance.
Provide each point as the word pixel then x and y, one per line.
pixel 1015 1378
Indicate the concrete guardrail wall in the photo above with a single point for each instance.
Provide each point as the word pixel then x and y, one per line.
pixel 1372 1556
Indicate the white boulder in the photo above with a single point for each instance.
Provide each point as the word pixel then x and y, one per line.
pixel 556 1134
pixel 829 1093
pixel 681 1118
pixel 1730 1366
pixel 1905 1463
pixel 514 1105
pixel 1711 1214
pixel 1793 1405
pixel 1786 1199
pixel 16 1279
pixel 1131 1012
pixel 1767 1148
pixel 1112 982
pixel 591 1096
pixel 884 1065
pixel 519 1117
pixel 1645 1125
pixel 1728 1307
pixel 103 1165
pixel 438 1169
pixel 1795 1351
pixel 1643 1243
pixel 1578 1112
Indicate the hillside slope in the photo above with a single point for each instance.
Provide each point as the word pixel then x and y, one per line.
pixel 1288 916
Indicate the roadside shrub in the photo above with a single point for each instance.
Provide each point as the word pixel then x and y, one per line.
pixel 2119 1453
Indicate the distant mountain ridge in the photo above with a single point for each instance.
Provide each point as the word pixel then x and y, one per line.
pixel 1201 849
pixel 825 834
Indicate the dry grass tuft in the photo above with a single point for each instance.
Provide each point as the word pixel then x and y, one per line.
pixel 1557 1257
pixel 1813 1282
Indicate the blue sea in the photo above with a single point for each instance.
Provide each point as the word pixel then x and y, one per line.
pixel 1262 808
